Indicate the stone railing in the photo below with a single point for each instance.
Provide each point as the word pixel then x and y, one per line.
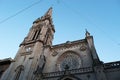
pixel 68 72
pixel 112 65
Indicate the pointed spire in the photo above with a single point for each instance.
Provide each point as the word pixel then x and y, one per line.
pixel 49 12
pixel 47 15
pixel 87 33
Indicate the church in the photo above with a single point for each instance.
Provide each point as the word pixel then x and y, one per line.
pixel 38 59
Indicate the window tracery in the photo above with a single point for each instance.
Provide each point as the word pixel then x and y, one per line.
pixel 71 59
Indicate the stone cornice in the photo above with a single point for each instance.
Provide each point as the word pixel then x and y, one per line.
pixel 69 44
pixel 68 72
pixel 30 42
pixel 26 53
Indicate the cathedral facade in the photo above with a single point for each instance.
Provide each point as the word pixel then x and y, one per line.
pixel 38 59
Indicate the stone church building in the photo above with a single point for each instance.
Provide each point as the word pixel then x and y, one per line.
pixel 38 59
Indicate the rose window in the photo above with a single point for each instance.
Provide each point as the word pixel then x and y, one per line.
pixel 69 61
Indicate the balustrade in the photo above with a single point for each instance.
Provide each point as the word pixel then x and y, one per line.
pixel 67 72
pixel 112 65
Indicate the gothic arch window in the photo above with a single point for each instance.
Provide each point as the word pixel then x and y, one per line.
pixel 36 34
pixel 18 71
pixel 47 36
pixel 69 59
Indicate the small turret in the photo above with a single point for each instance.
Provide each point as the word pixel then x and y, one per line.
pixel 90 42
pixel 87 33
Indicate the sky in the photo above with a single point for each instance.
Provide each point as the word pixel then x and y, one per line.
pixel 70 18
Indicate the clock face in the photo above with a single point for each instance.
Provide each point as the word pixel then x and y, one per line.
pixel 71 60
pixel 28 49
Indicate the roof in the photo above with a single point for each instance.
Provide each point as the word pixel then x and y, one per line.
pixel 6 61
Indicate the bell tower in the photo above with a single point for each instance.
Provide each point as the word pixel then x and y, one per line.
pixel 42 30
pixel 30 51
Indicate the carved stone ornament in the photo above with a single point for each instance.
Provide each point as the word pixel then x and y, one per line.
pixel 54 53
pixel 83 48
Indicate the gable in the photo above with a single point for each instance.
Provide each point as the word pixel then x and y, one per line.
pixel 75 54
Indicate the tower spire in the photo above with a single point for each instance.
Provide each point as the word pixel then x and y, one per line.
pixel 47 15
pixel 42 30
pixel 49 12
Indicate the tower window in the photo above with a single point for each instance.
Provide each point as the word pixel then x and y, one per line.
pixel 18 71
pixel 34 35
pixel 37 35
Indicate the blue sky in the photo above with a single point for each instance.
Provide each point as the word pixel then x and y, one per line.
pixel 70 17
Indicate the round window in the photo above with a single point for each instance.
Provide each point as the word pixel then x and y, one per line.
pixel 69 61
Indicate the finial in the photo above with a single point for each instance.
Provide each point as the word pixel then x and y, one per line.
pixel 87 33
